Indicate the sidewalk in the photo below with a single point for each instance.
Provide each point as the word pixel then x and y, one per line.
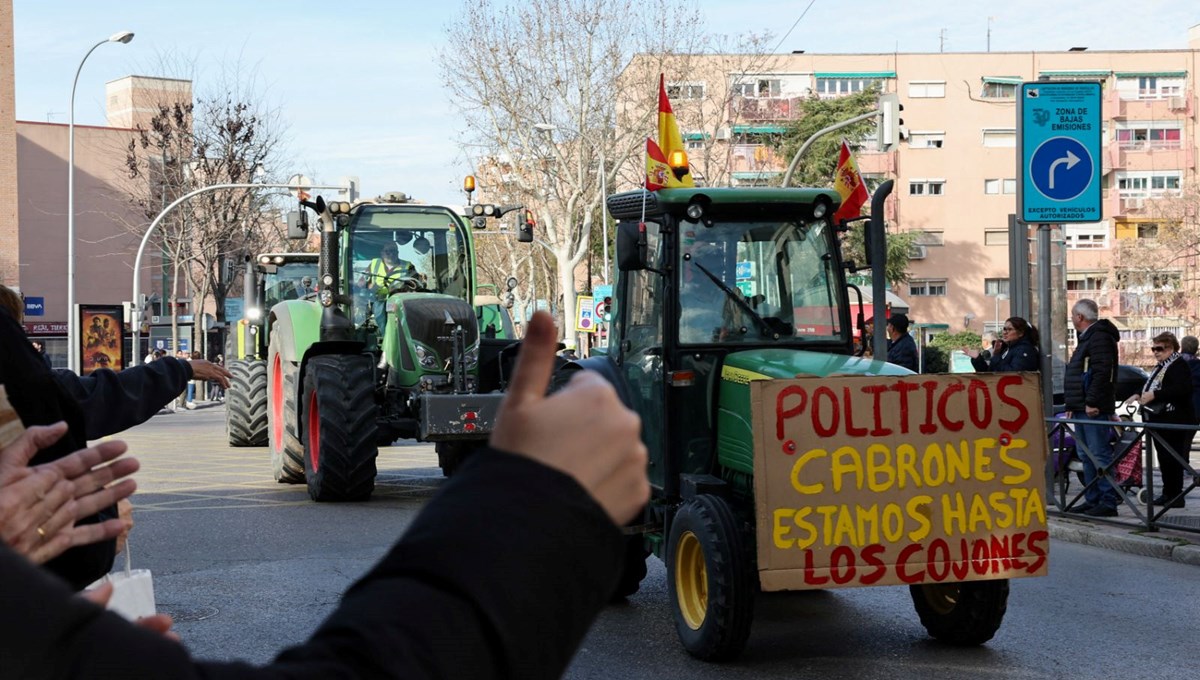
pixel 1122 535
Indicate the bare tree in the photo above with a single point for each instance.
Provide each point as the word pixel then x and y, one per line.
pixel 539 85
pixel 229 135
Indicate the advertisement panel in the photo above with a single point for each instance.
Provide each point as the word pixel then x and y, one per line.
pixel 101 338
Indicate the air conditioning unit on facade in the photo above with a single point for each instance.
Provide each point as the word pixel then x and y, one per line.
pixel 724 133
pixel 917 252
pixel 1133 204
pixel 1178 103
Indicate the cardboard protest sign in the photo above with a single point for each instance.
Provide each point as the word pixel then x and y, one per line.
pixel 878 480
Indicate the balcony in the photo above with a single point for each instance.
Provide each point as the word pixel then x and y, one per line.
pixel 1151 106
pixel 1152 155
pixel 755 158
pixel 750 109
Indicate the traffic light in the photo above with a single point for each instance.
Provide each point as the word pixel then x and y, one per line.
pixel 604 309
pixel 890 121
pixel 525 228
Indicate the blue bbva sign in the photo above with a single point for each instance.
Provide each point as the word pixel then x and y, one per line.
pixel 1059 132
pixel 35 306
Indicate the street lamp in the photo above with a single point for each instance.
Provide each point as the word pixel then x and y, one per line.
pixel 999 298
pixel 72 331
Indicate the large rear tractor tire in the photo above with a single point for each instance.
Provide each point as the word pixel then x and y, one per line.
pixel 283 429
pixel 710 579
pixel 962 614
pixel 246 403
pixel 340 428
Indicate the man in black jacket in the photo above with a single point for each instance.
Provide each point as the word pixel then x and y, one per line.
pixel 902 349
pixel 500 576
pixel 1089 393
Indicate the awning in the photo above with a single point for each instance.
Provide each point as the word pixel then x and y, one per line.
pixel 855 74
pixel 695 136
pixel 1095 73
pixel 1151 74
pixel 1004 80
pixel 759 129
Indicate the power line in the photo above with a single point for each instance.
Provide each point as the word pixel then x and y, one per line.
pixel 798 20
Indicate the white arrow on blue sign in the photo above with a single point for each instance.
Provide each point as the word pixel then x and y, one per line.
pixel 1059 127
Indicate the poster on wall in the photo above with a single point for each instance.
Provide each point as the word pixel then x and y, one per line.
pixel 101 338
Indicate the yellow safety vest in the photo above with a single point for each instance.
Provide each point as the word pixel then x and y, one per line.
pixel 382 277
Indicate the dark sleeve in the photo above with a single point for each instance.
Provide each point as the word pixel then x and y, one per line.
pixel 981 364
pixel 1024 357
pixel 1176 385
pixel 1102 367
pixel 503 573
pixel 500 576
pixel 114 401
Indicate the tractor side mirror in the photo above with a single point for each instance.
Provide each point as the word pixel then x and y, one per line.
pixel 297 224
pixel 631 247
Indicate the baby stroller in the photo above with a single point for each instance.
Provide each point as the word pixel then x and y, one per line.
pixel 1127 452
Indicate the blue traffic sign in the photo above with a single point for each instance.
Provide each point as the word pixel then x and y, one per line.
pixel 1060 136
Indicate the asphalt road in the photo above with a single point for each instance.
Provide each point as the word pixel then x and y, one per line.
pixel 248 566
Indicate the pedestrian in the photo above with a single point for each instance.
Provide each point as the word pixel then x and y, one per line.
pixel 1188 347
pixel 40 348
pixel 1016 350
pixel 1167 398
pixel 441 603
pixel 1089 392
pixel 901 348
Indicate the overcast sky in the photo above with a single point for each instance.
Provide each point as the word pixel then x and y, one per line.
pixel 360 90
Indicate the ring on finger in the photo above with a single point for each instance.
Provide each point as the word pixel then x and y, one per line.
pixel 41 532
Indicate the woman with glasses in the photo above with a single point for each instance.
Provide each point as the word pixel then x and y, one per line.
pixel 1167 398
pixel 1015 350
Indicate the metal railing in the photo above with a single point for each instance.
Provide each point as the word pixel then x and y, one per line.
pixel 1131 471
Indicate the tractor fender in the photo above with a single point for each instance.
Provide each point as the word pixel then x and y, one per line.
pixel 298 323
pixel 607 368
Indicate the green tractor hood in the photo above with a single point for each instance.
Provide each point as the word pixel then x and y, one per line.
pixel 735 430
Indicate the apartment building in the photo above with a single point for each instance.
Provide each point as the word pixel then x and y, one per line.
pixel 956 166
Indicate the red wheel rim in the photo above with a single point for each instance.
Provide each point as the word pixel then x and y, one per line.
pixel 277 403
pixel 314 432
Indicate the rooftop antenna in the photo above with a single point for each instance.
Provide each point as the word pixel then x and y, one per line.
pixel 989 33
pixel 942 40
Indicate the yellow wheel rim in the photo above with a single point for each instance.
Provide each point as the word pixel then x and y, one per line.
pixel 691 580
pixel 942 597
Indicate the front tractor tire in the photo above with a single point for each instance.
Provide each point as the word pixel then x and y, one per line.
pixel 961 614
pixel 340 428
pixel 710 579
pixel 246 403
pixel 283 427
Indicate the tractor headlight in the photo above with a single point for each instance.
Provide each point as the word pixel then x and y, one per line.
pixel 327 279
pixel 326 297
pixel 820 209
pixel 426 357
pixel 253 313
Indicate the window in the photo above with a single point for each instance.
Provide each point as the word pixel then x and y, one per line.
pixel 685 90
pixel 1140 184
pixel 926 187
pixel 1087 236
pixel 994 187
pixel 999 88
pixel 758 88
pixel 839 87
pixel 1151 85
pixel 927 288
pixel 1150 135
pixel 931 238
pixel 1147 230
pixel 694 144
pixel 926 140
pixel 994 287
pixel 1085 280
pixel 1000 137
pixel 995 237
pixel 927 89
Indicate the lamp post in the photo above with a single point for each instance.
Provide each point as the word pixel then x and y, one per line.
pixel 72 330
pixel 999 298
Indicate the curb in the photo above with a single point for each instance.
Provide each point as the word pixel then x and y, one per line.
pixel 1165 546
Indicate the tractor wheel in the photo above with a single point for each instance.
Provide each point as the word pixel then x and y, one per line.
pixel 283 428
pixel 339 427
pixel 633 567
pixel 710 579
pixel 451 455
pixel 246 403
pixel 961 614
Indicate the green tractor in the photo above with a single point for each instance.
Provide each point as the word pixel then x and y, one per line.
pixel 388 348
pixel 271 278
pixel 718 288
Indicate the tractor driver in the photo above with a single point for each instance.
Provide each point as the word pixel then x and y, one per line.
pixel 385 273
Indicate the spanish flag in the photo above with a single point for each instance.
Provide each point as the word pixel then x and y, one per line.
pixel 669 140
pixel 849 184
